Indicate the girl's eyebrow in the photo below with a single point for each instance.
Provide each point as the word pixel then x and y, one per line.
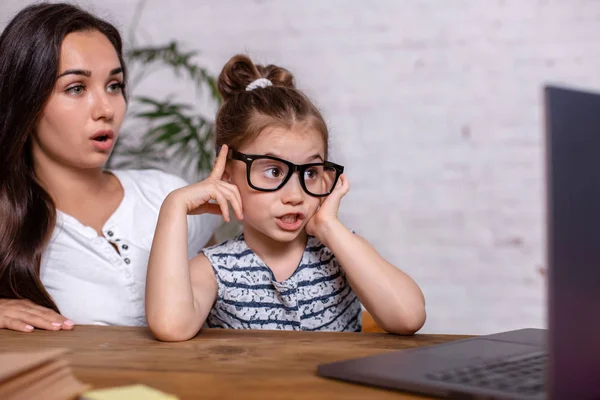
pixel 313 157
pixel 87 73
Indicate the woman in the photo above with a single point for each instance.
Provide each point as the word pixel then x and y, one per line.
pixel 74 238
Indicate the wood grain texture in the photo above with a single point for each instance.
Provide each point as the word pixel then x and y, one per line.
pixel 218 363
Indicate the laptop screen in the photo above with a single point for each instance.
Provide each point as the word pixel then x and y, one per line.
pixel 573 242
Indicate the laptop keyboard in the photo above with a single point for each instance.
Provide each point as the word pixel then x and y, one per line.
pixel 523 374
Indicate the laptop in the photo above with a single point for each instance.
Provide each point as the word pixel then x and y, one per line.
pixel 562 362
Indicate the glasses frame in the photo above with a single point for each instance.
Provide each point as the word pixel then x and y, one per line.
pixel 248 159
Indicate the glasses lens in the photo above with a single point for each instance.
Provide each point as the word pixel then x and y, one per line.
pixel 267 174
pixel 319 179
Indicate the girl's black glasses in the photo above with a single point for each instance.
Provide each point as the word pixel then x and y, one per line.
pixel 268 174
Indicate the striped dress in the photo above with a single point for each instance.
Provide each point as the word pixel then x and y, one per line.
pixel 317 297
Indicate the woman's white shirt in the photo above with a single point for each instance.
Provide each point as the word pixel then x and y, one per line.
pixel 93 283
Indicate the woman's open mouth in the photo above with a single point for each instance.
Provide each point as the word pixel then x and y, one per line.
pixel 103 140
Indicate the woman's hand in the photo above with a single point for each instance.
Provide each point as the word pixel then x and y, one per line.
pixel 326 215
pixel 213 194
pixel 24 315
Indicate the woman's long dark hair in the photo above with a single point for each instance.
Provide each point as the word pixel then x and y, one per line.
pixel 30 48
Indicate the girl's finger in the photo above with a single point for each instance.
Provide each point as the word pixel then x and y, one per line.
pixel 222 202
pixel 331 204
pixel 344 184
pixel 207 208
pixel 220 163
pixel 341 188
pixel 234 189
pixel 233 196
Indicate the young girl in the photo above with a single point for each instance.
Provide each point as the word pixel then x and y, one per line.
pixel 296 266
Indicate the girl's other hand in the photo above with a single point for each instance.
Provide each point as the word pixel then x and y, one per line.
pixel 327 214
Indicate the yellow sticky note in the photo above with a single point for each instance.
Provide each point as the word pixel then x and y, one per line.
pixel 133 392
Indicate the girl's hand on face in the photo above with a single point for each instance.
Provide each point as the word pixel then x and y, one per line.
pixel 197 197
pixel 328 210
pixel 24 315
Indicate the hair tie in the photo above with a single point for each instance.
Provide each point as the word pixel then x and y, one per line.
pixel 259 83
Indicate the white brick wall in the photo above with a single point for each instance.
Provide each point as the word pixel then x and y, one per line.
pixel 435 109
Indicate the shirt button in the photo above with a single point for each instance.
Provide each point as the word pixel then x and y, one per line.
pixel 110 233
pixel 125 247
pixel 127 261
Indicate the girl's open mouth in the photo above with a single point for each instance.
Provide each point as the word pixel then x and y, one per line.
pixel 290 222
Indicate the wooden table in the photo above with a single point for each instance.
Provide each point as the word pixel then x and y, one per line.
pixel 217 363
